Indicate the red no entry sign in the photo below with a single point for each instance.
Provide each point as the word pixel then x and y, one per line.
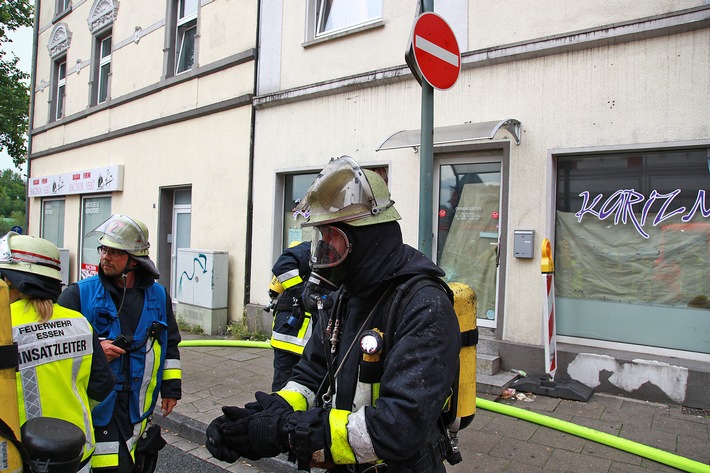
pixel 436 53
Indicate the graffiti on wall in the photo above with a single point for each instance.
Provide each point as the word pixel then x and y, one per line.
pixel 628 206
pixel 193 277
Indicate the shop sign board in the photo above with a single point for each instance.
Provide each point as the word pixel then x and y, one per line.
pixel 105 179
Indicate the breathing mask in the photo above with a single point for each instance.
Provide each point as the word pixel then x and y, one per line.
pixel 317 288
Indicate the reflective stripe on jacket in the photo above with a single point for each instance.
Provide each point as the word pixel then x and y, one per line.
pixel 54 366
pixel 147 360
pixel 284 336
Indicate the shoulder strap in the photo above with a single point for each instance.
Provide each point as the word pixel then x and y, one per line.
pixel 7 432
pixel 403 293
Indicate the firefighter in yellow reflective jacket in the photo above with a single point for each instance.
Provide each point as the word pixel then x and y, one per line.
pixel 134 315
pixel 369 391
pixel 61 366
pixel 292 325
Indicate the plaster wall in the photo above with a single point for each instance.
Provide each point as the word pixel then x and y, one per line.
pixel 650 91
pixel 168 156
pixel 493 23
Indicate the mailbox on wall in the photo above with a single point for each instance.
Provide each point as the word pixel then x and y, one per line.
pixel 523 243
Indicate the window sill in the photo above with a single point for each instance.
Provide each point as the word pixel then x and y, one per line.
pixel 340 34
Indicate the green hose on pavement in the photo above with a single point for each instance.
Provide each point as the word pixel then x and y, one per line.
pixel 619 443
pixel 603 438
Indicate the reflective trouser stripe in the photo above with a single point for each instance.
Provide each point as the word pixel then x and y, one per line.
pixel 339 446
pixel 150 373
pixel 132 442
pixel 105 455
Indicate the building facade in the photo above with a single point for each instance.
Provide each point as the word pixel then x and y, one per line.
pixel 586 124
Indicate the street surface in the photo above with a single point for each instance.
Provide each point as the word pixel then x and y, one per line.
pixel 173 460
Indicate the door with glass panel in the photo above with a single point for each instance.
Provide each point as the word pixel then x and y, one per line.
pixel 94 211
pixel 182 225
pixel 467 227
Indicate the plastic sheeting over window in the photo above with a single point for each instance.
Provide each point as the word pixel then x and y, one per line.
pixel 601 261
pixel 632 248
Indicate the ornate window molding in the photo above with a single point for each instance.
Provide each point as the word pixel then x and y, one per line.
pixel 59 40
pixel 102 13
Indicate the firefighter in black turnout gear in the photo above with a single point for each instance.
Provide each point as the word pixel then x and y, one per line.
pixel 372 383
pixel 292 325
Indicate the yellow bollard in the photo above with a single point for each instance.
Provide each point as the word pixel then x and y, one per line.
pixel 10 460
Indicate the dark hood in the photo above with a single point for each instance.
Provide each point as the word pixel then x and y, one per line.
pixel 379 255
pixel 34 285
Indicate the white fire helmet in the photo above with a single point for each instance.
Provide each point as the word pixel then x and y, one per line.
pixel 29 254
pixel 123 233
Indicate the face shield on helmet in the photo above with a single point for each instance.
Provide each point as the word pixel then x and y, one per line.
pixel 123 233
pixel 329 247
pixel 344 192
pixel 29 255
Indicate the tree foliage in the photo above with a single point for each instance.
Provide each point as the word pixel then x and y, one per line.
pixel 14 91
pixel 12 200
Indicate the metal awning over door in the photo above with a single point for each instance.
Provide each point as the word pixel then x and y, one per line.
pixel 453 134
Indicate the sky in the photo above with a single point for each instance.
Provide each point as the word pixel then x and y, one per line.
pixel 22 46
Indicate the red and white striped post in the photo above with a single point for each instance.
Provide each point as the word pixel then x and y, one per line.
pixel 547 267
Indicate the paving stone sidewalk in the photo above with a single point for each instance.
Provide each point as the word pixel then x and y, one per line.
pixel 217 376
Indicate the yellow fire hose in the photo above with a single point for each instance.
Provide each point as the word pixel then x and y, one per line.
pixel 639 449
pixel 619 443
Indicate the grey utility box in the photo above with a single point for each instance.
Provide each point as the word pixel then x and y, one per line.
pixel 523 243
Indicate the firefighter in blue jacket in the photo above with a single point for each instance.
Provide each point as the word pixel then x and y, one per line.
pixel 371 385
pixel 134 316
pixel 292 325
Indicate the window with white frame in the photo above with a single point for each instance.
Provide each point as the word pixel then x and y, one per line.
pixel 63 5
pixel 102 71
pixel 337 15
pixel 186 32
pixel 59 89
pixel 53 221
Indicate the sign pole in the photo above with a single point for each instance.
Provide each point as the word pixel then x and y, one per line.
pixel 426 160
pixel 547 268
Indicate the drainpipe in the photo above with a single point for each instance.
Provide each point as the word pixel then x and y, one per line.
pixel 30 121
pixel 248 246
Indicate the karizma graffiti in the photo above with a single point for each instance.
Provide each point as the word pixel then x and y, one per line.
pixel 622 202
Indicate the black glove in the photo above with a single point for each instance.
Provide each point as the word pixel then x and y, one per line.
pixel 306 432
pixel 259 435
pixel 236 413
pixel 214 435
pixel 214 442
